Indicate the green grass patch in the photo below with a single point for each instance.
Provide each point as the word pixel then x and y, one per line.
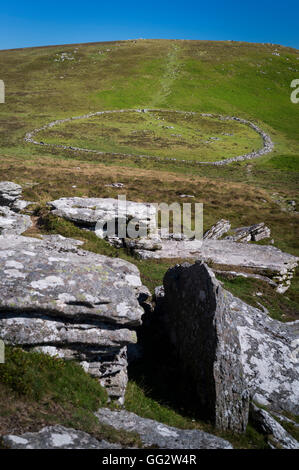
pixel 38 390
pixel 37 376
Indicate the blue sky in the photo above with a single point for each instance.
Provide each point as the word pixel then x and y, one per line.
pixel 31 23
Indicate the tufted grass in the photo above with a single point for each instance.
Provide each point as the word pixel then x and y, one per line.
pixel 38 375
pixel 38 390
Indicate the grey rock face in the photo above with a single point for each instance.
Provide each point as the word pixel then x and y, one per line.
pixel 202 330
pixel 12 223
pixel 62 300
pixel 260 258
pixel 269 351
pixel 9 193
pixel 100 214
pixel 56 437
pixel 278 436
pixel 253 233
pixel 89 211
pixel 219 229
pixel 268 348
pixel 153 433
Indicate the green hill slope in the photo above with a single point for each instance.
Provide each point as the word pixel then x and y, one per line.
pixel 248 80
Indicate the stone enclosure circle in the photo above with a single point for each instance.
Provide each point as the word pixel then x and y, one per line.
pixel 267 147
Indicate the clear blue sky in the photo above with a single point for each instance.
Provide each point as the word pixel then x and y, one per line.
pixel 26 23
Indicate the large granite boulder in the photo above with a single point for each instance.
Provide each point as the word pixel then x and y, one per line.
pixel 12 223
pixel 195 311
pixel 202 329
pixel 158 435
pixel 60 299
pixel 56 437
pixel 260 259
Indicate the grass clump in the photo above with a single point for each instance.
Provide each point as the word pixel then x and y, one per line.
pixel 37 375
pixel 38 390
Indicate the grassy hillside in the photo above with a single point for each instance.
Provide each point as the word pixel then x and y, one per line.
pixel 251 81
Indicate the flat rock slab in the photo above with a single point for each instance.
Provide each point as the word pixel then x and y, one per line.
pixel 89 211
pixel 59 279
pixel 228 253
pixel 56 437
pixel 153 433
pixel 12 223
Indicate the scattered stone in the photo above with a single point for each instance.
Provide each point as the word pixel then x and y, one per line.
pixel 292 204
pixel 186 195
pixel 56 437
pixel 217 230
pixel 253 233
pixel 115 185
pixel 155 434
pixel 278 437
pixel 12 223
pixel 62 300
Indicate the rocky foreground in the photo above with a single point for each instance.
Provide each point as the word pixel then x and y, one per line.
pixel 233 253
pixel 59 299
